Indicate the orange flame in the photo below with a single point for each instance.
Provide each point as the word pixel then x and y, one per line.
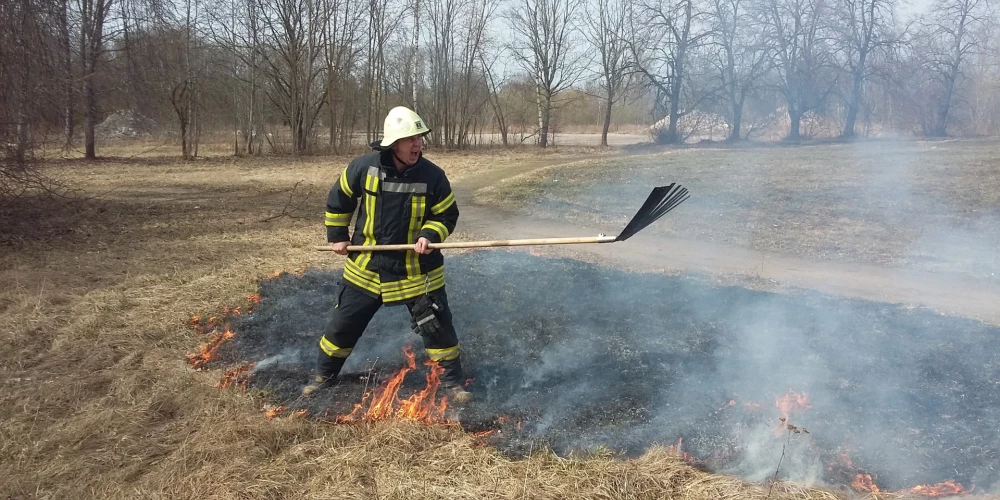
pixel 298 271
pixel 208 351
pixel 787 404
pixel 676 449
pixel 239 375
pixel 863 482
pixel 792 401
pixel 419 407
pixel 482 434
pixel 274 412
pixel 946 488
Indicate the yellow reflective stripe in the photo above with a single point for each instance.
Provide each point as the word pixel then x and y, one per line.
pixel 335 219
pixel 332 350
pixel 445 204
pixel 413 287
pixel 416 219
pixel 362 283
pixel 414 281
pixel 360 271
pixel 345 185
pixel 413 292
pixel 369 280
pixel 438 227
pixel 371 184
pixel 446 354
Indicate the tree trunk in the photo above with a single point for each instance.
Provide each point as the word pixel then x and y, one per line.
pixel 22 119
pixel 941 123
pixel 67 63
pixel 546 120
pixel 854 105
pixel 795 117
pixel 89 117
pixel 852 115
pixel 671 136
pixel 332 113
pixel 24 98
pixel 734 127
pixel 607 121
pixel 543 119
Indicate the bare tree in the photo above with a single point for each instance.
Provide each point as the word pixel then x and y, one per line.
pixel 236 25
pixel 93 16
pixel 473 94
pixel 742 58
pixel 494 85
pixel 864 28
pixel 544 30
pixel 803 56
pixel 31 85
pixel 343 49
pixel 182 96
pixel 443 17
pixel 384 21
pixel 669 33
pixel 292 57
pixel 457 31
pixel 606 26
pixel 948 38
pixel 66 56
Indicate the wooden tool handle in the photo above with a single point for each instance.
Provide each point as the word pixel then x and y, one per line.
pixel 478 244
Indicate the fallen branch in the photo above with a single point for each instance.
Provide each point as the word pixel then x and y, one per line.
pixel 292 206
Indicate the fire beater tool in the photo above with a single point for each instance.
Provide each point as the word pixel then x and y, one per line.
pixel 660 201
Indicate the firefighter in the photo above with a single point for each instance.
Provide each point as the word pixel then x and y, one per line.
pixel 404 199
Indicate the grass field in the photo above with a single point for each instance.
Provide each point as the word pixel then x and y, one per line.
pixel 932 206
pixel 97 400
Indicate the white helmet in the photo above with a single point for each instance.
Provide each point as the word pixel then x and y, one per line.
pixel 400 123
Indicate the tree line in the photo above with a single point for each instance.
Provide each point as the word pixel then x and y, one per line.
pixel 296 76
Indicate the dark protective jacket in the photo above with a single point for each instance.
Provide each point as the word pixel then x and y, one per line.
pixel 395 208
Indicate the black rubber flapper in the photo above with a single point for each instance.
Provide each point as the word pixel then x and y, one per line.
pixel 662 200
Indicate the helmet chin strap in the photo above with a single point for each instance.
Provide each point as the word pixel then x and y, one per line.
pixel 400 160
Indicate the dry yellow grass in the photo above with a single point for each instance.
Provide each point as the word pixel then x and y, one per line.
pixel 98 402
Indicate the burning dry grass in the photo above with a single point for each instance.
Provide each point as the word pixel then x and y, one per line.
pixel 98 401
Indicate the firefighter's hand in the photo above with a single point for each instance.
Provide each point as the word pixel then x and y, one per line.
pixel 422 246
pixel 340 247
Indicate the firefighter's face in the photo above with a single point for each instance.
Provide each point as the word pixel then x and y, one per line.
pixel 408 149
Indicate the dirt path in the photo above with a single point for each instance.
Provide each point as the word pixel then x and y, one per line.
pixel 945 293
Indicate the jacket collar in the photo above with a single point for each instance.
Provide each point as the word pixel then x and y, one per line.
pixel 386 163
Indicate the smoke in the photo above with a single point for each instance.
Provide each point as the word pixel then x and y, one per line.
pixel 583 356
pixel 283 358
pixel 911 208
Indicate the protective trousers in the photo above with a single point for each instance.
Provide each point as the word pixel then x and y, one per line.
pixel 351 315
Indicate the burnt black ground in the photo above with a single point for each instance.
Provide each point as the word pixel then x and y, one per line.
pixel 584 356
